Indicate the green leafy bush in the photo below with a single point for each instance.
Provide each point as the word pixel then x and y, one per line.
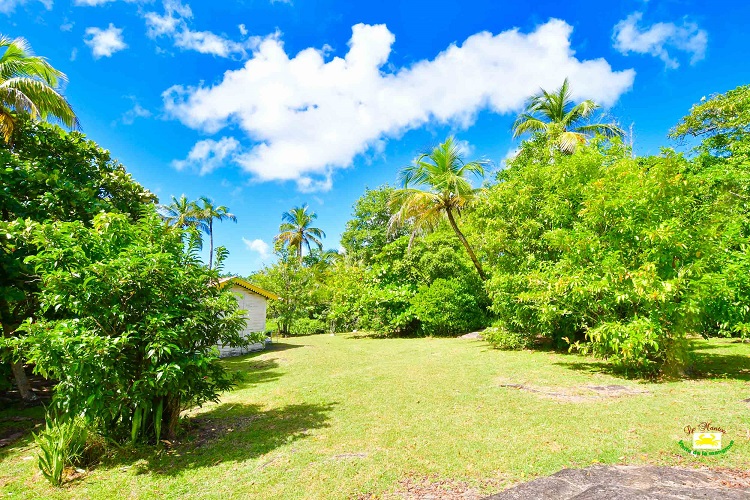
pixel 308 326
pixel 61 444
pixel 507 340
pixel 130 324
pixel 446 307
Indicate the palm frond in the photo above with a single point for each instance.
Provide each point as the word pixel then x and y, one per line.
pixel 609 130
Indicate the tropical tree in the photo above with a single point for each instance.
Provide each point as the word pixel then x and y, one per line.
pixel 50 175
pixel 296 230
pixel 29 84
pixel 442 190
pixel 563 121
pixel 205 214
pixel 181 213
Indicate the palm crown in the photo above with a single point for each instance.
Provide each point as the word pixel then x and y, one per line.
pixel 28 85
pixel 563 121
pixel 181 212
pixel 205 214
pixel 440 188
pixel 296 230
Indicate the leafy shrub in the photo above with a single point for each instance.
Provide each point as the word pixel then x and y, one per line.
pixel 131 326
pixel 61 444
pixel 502 338
pixel 640 346
pixel 446 307
pixel 308 326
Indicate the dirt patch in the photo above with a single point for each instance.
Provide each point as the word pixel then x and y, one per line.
pixel 472 336
pixel 631 483
pixel 349 456
pixel 417 487
pixel 616 391
pixel 579 394
pixel 204 431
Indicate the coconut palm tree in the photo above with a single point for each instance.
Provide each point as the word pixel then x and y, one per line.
pixel 561 120
pixel 28 84
pixel 441 189
pixel 181 212
pixel 296 231
pixel 205 213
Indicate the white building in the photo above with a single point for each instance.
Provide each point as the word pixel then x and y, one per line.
pixel 252 299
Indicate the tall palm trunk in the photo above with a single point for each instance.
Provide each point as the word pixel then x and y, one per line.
pixel 466 244
pixel 299 252
pixel 211 245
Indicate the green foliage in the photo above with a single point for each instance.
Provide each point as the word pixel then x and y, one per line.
pixel 393 296
pixel 61 444
pixel 48 175
pixel 623 257
pixel 446 307
pixel 560 121
pixel 367 233
pixel 308 326
pixel 130 323
pixel 507 340
pixel 30 85
pixel 299 290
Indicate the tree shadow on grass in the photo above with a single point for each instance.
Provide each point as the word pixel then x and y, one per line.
pixel 16 425
pixel 227 433
pixel 250 371
pixel 703 365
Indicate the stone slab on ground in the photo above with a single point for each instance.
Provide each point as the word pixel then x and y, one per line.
pixel 626 482
pixel 472 336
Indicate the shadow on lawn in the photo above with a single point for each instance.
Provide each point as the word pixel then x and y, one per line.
pixel 227 433
pixel 250 371
pixel 704 365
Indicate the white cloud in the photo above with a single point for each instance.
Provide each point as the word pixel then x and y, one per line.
pixel 9 6
pixel 96 3
pixel 660 38
pixel 137 111
pixel 74 54
pixel 174 24
pixel 305 116
pixel 91 3
pixel 243 29
pixel 208 155
pixel 104 42
pixel 261 247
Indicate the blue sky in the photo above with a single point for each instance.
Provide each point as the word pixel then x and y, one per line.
pixel 263 105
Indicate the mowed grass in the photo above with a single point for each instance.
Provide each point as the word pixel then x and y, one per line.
pixel 343 417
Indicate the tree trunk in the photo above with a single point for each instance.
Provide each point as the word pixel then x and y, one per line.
pixel 170 417
pixel 22 382
pixel 299 252
pixel 466 245
pixel 211 238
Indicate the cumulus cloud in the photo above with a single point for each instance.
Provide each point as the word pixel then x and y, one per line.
pixel 208 155
pixel 308 114
pixel 91 3
pixel 174 23
pixel 9 6
pixel 137 111
pixel 660 38
pixel 261 247
pixel 104 42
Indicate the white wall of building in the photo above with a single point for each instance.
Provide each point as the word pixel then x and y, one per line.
pixel 255 307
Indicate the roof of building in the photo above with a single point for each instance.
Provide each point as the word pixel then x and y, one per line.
pixel 234 280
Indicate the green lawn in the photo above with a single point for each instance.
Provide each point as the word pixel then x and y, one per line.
pixel 343 417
